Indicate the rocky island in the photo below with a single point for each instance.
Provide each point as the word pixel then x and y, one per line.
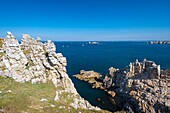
pixel 34 62
pixel 159 42
pixel 33 78
pixel 141 87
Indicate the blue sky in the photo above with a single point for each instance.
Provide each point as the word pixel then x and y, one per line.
pixel 79 20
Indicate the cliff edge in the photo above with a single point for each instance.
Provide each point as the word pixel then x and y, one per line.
pixel 37 62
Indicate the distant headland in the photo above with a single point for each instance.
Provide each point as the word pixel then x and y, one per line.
pixel 159 42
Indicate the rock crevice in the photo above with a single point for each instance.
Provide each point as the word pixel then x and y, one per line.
pixel 140 87
pixel 37 62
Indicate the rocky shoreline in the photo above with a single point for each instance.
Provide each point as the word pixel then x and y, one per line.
pixel 94 79
pixel 140 87
pixel 37 62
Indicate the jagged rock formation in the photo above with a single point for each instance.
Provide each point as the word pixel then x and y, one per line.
pixel 95 79
pixel 143 87
pixel 148 68
pixel 140 87
pixel 38 63
pixel 108 80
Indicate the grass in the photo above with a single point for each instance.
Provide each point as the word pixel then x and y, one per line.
pixel 30 63
pixel 65 96
pixel 26 51
pixel 2 67
pixel 44 50
pixel 1 54
pixel 1 42
pixel 25 97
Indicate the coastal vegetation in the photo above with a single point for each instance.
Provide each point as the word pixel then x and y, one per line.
pixel 26 97
pixel 31 83
pixel 1 42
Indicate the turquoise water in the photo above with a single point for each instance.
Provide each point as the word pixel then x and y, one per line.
pixel 81 55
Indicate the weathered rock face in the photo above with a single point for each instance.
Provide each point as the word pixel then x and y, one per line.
pixel 108 80
pixel 14 60
pixel 142 87
pixel 152 70
pixel 37 62
pixel 151 95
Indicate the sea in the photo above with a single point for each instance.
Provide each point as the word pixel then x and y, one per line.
pixel 99 57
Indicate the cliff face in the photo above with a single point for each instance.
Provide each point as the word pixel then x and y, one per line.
pixel 37 62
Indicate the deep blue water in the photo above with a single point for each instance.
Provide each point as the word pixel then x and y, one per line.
pixel 100 57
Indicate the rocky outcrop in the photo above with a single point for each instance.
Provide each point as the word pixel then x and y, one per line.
pixel 87 75
pixel 108 80
pixel 159 42
pixel 143 87
pixel 95 79
pixel 148 68
pixel 140 87
pixel 37 62
pixel 91 77
pixel 14 61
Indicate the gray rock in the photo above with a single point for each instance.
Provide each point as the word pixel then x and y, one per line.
pixel 35 62
pixel 7 64
pixel 56 96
